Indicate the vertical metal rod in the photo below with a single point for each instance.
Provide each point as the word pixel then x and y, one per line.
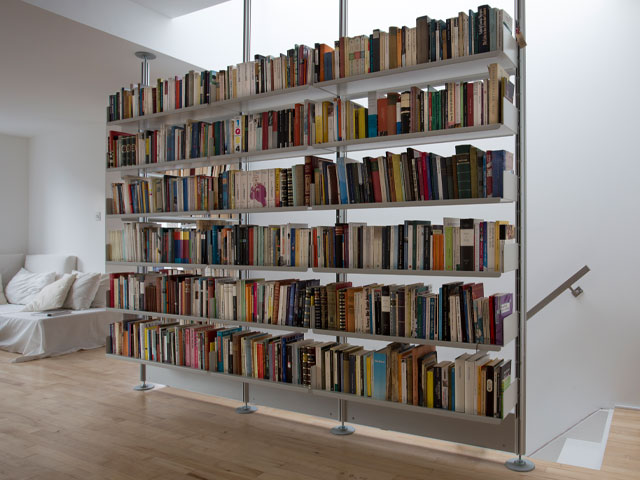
pixel 144 386
pixel 244 218
pixel 341 217
pixel 521 354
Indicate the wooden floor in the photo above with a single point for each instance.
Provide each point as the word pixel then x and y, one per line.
pixel 76 417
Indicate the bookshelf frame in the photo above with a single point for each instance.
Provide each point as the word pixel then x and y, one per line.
pixel 507 434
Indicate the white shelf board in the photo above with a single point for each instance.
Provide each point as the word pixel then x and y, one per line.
pixel 204 265
pixel 509 189
pixel 509 329
pixel 459 69
pixel 226 376
pixel 323 393
pixel 255 156
pixel 509 332
pixel 267 326
pixel 462 134
pixel 350 397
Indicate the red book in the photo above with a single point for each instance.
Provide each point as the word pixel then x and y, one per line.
pixel 342 56
pixel 425 179
pixel 308 174
pixel 265 130
pixel 469 115
pixel 260 357
pixel 382 117
pixel 375 180
pixel 250 245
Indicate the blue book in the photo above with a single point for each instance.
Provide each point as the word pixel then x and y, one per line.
pixel 292 249
pixel 328 66
pixel 185 194
pixel 493 31
pixel 342 180
pixel 220 334
pixel 484 244
pixel 497 169
pixel 452 386
pixel 286 362
pixel 291 299
pixel 380 375
pixel 484 175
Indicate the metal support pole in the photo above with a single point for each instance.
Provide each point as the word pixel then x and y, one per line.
pixel 244 218
pixel 343 429
pixel 341 217
pixel 145 68
pixel 144 386
pixel 246 408
pixel 520 464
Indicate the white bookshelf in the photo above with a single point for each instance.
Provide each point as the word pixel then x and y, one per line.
pixel 507 433
pixel 463 134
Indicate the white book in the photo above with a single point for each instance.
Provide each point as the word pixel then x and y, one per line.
pixel 470 391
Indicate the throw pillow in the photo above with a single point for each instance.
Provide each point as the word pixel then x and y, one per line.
pixel 25 285
pixel 100 300
pixel 82 291
pixel 52 296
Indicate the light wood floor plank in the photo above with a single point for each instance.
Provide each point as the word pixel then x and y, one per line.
pixel 77 416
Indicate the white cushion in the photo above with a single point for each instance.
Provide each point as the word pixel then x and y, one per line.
pixel 3 299
pixel 82 291
pixel 24 285
pixel 52 296
pixel 100 300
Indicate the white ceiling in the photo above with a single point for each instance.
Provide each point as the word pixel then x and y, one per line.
pixel 55 72
pixel 177 8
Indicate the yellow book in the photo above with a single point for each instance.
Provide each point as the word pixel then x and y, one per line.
pixel 318 113
pixel 397 176
pixel 430 387
pixel 325 121
pixel 277 187
pixel 362 127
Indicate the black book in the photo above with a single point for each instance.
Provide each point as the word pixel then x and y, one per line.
pixel 466 244
pixel 376 51
pixel 483 28
pixel 385 311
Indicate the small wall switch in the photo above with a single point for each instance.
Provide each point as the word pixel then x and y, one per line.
pixel 98 216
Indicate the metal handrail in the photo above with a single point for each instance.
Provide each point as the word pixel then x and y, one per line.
pixel 556 293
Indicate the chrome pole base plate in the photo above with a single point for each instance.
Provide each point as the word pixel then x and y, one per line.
pixel 343 430
pixel 519 464
pixel 246 409
pixel 143 387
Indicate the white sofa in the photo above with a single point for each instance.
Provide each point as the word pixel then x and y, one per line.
pixel 34 335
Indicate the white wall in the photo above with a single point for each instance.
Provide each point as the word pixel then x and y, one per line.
pixel 66 190
pixel 14 197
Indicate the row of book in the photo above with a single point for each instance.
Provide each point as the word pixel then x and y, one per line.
pixel 408 176
pixel 455 245
pixel 457 312
pixel 408 374
pixel 456 105
pixel 430 40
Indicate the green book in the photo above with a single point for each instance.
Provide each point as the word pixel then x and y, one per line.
pixel 463 170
